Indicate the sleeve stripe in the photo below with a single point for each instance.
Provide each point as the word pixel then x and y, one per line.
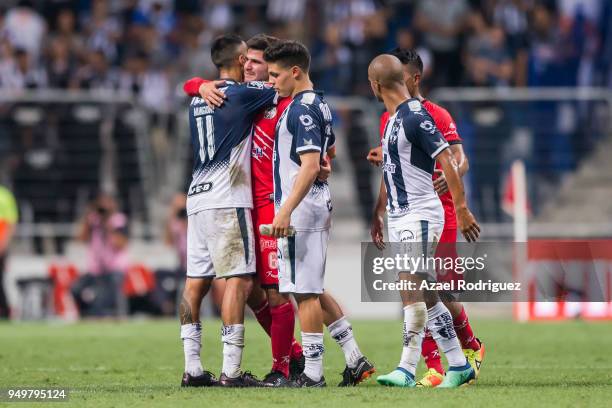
pixel 452 142
pixel 312 148
pixel 437 152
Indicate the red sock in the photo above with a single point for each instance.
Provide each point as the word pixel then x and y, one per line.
pixel 263 316
pixel 464 331
pixel 429 351
pixel 296 350
pixel 283 323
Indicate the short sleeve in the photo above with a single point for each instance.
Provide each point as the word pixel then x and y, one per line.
pixel 423 133
pixel 447 127
pixel 306 125
pixel 257 95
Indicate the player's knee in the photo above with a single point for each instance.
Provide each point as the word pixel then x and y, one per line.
pixel 240 284
pixel 195 290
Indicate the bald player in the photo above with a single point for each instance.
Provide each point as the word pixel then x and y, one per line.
pixel 411 145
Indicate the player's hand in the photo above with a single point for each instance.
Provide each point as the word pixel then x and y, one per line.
pixel 280 225
pixel 376 231
pixel 440 184
pixel 325 170
pixel 467 224
pixel 211 94
pixel 375 156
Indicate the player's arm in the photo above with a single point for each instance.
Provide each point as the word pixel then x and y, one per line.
pixel 208 90
pixel 463 165
pixel 467 223
pixel 378 222
pixel 309 169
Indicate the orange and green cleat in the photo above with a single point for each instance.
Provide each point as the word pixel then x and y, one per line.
pixel 476 357
pixel 431 379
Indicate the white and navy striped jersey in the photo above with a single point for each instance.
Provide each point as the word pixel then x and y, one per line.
pixel 410 145
pixel 305 126
pixel 221 140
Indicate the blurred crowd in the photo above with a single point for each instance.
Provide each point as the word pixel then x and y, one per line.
pixel 147 47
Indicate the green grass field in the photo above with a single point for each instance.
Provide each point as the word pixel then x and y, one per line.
pixel 140 364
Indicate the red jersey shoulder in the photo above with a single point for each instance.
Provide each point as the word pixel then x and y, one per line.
pixel 444 121
pixel 384 118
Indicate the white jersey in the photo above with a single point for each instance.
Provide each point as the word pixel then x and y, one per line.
pixel 410 145
pixel 305 126
pixel 221 140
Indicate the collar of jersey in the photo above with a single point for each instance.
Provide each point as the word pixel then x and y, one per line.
pixel 320 93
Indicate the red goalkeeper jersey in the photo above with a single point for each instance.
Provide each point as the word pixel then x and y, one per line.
pixel 262 147
pixel 445 123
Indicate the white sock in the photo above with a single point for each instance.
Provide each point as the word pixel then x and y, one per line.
pixel 312 346
pixel 415 319
pixel 342 331
pixel 191 334
pixel 232 337
pixel 440 324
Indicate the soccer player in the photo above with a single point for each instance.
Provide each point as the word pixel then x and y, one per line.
pixel 302 139
pixel 220 240
pixel 411 145
pixel 472 347
pixel 273 310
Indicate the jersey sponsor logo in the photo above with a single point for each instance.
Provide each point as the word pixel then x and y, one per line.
pixel 414 106
pixel 329 205
pixel 406 236
pixel 200 188
pixel 389 168
pixel 267 243
pixel 270 113
pixel 308 122
pixel 427 126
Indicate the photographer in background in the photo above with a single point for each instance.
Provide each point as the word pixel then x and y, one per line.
pixel 8 219
pixel 105 230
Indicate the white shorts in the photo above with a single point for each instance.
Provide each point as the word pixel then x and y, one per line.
pixel 301 262
pixel 220 243
pixel 421 238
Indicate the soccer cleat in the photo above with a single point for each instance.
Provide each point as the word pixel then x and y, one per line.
pixel 353 376
pixel 276 379
pixel 458 377
pixel 296 367
pixel 303 381
pixel 206 379
pixel 245 379
pixel 431 379
pixel 397 378
pixel 475 358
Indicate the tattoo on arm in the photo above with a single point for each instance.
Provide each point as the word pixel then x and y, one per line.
pixel 185 312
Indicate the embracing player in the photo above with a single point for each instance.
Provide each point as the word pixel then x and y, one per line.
pixel 472 347
pixel 411 145
pixel 220 240
pixel 273 310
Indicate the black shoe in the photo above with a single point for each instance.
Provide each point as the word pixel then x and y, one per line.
pixel 353 376
pixel 206 379
pixel 296 367
pixel 303 381
pixel 245 379
pixel 276 379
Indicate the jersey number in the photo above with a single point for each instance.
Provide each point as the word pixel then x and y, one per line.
pixel 210 137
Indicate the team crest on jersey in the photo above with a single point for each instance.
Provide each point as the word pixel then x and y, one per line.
pixel 270 113
pixel 257 152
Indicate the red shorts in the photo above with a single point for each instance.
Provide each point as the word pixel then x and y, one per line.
pixel 447 249
pixel 265 248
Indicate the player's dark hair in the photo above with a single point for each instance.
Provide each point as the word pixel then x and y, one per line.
pixel 408 57
pixel 261 42
pixel 289 54
pixel 224 50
